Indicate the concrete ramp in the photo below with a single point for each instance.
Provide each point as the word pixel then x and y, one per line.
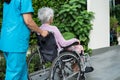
pixel 106 62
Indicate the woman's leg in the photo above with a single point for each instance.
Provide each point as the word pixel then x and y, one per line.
pixel 16 67
pixel 78 48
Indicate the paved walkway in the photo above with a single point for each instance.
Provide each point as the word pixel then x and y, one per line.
pixel 106 62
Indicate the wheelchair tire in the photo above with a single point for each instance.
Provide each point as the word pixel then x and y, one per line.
pixel 61 68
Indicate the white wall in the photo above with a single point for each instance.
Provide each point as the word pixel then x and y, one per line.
pixel 99 36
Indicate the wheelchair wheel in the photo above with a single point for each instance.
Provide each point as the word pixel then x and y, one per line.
pixel 36 69
pixel 62 67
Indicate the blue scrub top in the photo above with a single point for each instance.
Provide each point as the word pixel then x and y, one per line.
pixel 15 34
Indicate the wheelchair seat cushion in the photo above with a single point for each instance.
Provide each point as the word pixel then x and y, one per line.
pixel 48 47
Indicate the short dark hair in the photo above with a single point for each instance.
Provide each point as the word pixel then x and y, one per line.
pixel 7 1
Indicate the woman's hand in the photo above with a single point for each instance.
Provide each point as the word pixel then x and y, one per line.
pixel 77 40
pixel 44 33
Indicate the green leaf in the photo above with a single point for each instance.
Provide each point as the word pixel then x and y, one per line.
pixel 68 35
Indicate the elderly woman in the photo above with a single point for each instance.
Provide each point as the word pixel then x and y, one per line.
pixel 46 15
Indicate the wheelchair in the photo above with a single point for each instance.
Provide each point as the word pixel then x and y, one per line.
pixel 59 68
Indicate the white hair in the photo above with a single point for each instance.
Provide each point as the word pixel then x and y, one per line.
pixel 44 14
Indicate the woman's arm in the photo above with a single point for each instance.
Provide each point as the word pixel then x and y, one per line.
pixel 62 42
pixel 32 25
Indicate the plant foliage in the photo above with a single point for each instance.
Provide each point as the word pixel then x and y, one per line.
pixel 117 12
pixel 2 67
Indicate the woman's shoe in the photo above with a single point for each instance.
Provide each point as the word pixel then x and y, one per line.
pixel 88 69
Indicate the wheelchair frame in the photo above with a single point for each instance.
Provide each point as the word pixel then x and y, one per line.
pixel 41 72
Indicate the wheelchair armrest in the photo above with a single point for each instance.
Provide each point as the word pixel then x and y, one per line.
pixel 75 43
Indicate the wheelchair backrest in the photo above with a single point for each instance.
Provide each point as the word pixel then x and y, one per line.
pixel 48 47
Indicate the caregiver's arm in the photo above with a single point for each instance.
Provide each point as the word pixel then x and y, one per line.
pixel 32 25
